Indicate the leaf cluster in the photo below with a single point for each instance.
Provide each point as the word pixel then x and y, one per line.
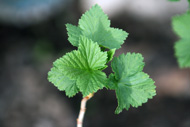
pixel 81 70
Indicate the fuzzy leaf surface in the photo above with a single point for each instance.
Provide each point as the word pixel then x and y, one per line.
pixel 83 65
pixel 133 87
pixel 181 25
pixel 95 25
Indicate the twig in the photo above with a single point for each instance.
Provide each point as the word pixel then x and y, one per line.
pixel 82 110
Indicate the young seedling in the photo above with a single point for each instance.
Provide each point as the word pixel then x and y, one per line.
pixel 81 70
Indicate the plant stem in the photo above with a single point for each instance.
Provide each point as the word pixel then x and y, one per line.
pixel 83 110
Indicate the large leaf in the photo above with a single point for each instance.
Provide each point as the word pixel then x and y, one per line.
pixel 181 25
pixel 84 66
pixel 133 87
pixel 94 24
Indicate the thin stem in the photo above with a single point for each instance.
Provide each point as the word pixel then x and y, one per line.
pixel 83 110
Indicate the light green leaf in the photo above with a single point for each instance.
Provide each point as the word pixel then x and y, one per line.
pixel 111 38
pixel 84 65
pixel 181 25
pixel 92 20
pixel 94 24
pixel 74 33
pixel 110 54
pixel 133 87
pixel 182 49
pixel 62 82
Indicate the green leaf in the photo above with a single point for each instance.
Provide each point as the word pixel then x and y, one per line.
pixel 111 38
pixel 182 49
pixel 62 82
pixel 181 25
pixel 94 24
pixel 74 33
pixel 84 65
pixel 110 54
pixel 133 87
pixel 90 82
pixel 127 65
pixel 91 20
pixel 88 57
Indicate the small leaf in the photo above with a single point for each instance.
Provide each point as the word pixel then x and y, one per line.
pixel 133 87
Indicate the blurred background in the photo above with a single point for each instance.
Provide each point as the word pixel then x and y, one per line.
pixel 33 35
